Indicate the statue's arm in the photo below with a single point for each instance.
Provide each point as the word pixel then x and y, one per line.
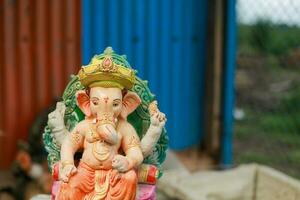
pixel 131 145
pixel 71 143
pixel 158 121
pixel 150 139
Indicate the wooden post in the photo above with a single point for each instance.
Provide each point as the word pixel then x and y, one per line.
pixel 214 67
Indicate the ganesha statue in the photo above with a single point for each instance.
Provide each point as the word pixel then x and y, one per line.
pixel 106 139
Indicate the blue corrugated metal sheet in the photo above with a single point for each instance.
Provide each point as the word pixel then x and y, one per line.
pixel 165 42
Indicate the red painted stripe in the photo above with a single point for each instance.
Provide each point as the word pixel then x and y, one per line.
pixel 151 178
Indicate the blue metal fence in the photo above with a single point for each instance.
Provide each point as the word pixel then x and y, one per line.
pixel 165 42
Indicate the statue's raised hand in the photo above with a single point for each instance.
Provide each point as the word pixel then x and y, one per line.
pixel 157 118
pixel 66 171
pixel 56 118
pixel 56 122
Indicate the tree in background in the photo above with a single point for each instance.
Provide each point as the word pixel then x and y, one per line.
pixel 261 37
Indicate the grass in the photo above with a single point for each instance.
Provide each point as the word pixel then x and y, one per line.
pixel 271 137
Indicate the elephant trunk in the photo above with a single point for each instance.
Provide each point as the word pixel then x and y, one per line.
pixel 106 128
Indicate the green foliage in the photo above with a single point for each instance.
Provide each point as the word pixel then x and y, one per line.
pixel 260 36
pixel 265 37
pixel 286 117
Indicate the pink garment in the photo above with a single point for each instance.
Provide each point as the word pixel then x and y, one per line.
pixel 55 189
pixel 146 192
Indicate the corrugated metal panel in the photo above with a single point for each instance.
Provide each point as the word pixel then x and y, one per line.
pixel 165 42
pixel 1 72
pixel 39 49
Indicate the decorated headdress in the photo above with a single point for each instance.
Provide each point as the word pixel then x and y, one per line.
pixel 107 70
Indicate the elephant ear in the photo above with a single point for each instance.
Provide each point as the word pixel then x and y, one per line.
pixel 130 102
pixel 83 101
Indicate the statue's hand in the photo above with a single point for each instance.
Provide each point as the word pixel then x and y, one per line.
pixel 56 118
pixel 120 163
pixel 56 122
pixel 158 119
pixel 157 123
pixel 66 172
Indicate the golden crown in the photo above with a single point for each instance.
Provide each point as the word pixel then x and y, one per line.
pixel 107 70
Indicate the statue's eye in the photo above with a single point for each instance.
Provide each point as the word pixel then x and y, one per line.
pixel 95 102
pixel 115 104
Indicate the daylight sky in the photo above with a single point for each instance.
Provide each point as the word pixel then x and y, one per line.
pixel 278 11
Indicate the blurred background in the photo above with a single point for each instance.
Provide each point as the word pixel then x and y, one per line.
pixel 225 72
pixel 267 122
